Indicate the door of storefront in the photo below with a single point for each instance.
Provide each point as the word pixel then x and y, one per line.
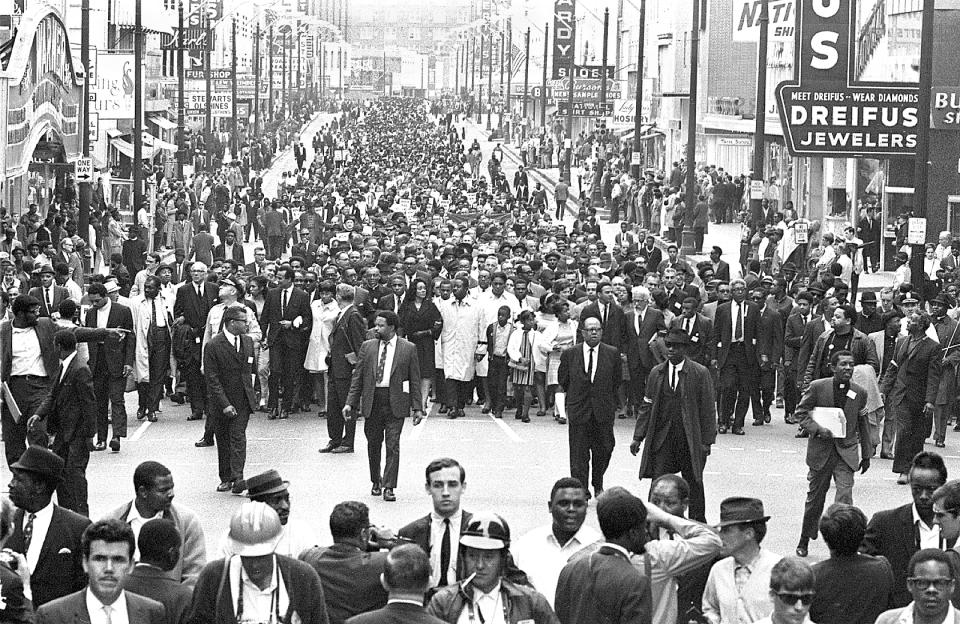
pixel 897 200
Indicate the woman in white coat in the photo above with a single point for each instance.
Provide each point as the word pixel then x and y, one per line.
pixel 325 311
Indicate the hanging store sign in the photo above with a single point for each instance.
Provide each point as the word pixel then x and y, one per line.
pixel 586 109
pixel 564 35
pixel 945 108
pixel 781 23
pixel 827 110
pixel 114 87
pixel 584 89
pixel 221 104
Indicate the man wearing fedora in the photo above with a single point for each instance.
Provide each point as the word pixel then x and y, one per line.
pixel 829 454
pixel 678 420
pixel 270 488
pixel 869 320
pixel 738 588
pixel 45 533
pixel 948 333
pixel 256 584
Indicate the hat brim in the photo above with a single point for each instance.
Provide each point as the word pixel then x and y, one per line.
pixel 744 521
pixel 272 490
pixel 481 543
pixel 32 470
pixel 254 550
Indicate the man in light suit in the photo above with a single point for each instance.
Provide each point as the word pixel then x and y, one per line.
pixel 345 342
pixel 590 374
pixel 385 385
pixel 829 454
pixel 53 550
pixel 735 337
pixel 228 363
pixel 406 577
pixel 108 548
pixel 643 322
pixel 678 391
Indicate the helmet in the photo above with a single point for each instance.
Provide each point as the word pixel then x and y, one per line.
pixel 486 531
pixel 255 530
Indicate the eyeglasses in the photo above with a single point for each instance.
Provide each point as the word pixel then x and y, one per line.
pixel 791 599
pixel 943 512
pixel 940 584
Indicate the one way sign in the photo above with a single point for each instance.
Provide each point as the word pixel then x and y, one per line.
pixel 83 169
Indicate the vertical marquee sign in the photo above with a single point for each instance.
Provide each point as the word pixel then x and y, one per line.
pixel 564 33
pixel 826 110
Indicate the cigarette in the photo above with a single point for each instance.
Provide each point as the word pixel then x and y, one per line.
pixel 467 580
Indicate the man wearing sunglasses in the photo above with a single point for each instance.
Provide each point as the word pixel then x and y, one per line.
pixel 930 579
pixel 791 588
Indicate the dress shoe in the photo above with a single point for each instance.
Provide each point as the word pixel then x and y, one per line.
pixel 789 420
pixel 779 402
pixel 738 431
pixel 285 414
pixel 376 490
pixel 273 414
pixel 141 413
pixel 885 455
pixel 99 446
pixel 561 420
pixel 329 448
pixel 263 408
pixel 203 442
pixel 541 413
pixel 758 423
pixel 903 479
pixel 389 496
pixel 322 414
pixel 525 419
pixel 802 547
pixel 443 409
pixel 485 410
pixel 178 398
pixel 722 429
pixel 195 416
pixel 939 444
pixel 498 414
pixel 115 445
pixel 766 417
pixel 224 487
pixel 957 427
pixel 152 416
pixel 802 433
pixel 239 487
pixel 342 449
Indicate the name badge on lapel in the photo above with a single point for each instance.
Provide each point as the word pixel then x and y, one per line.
pixel 851 395
pixel 694 338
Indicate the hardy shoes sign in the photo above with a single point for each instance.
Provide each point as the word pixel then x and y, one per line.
pixel 564 35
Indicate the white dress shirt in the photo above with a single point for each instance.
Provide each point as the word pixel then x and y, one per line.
pixel 929 535
pixel 257 602
pixel 65 364
pixel 41 524
pixel 586 360
pixel 27 358
pixel 673 373
pixel 490 605
pixel 436 537
pixel 98 615
pixel 541 556
pixel 391 347
pixel 736 309
pixel 136 522
pixel 103 313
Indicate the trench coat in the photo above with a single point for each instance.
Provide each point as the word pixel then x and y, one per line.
pixel 463 331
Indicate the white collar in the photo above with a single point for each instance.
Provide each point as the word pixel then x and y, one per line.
pixel 230 336
pixel 677 367
pixel 457 515
pixel 618 548
pixel 65 364
pixel 493 594
pixel 118 610
pixel 916 519
pixel 906 615
pixel 41 514
pixel 392 342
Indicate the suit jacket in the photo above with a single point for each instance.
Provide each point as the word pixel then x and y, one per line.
pixel 70 407
pixel 722 271
pixel 602 586
pixel 396 613
pixel 860 345
pixel 639 355
pixel 820 394
pixel 213 597
pixel 811 331
pixel 117 351
pixel 615 329
pixel 72 609
pixel 297 306
pixel 770 335
pixel 194 311
pixel 404 378
pixel 229 374
pixel 915 379
pixel 252 269
pixel 793 339
pixel 46 329
pixel 698 411
pixel 948 333
pixel 16 608
pixel 699 349
pixel 59 294
pixel 891 533
pixel 418 531
pixel 346 337
pixel 350 578
pixel 59 569
pixel 723 332
pixel 236 254
pixel 152 583
pixel 586 400
pixel 387 302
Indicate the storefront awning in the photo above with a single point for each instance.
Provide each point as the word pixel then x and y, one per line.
pixel 160 144
pixel 162 122
pixel 115 132
pixel 644 129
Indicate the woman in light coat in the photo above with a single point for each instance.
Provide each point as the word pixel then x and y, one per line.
pixel 325 312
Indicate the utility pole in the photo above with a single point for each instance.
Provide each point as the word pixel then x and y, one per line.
pixel 922 162
pixel 480 91
pixel 270 84
pixel 500 114
pixel 138 110
pixel 543 93
pixel 638 104
pixel 181 86
pixel 508 101
pixel 84 190
pixel 526 75
pixel 456 74
pixel 323 62
pixel 256 81
pixel 489 78
pixel 235 142
pixel 687 242
pixel 284 110
pixel 208 124
pixel 299 61
pixel 760 120
pixel 568 141
pixel 603 68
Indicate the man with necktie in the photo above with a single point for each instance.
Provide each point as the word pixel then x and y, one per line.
pixel 49 294
pixel 735 337
pixel 193 303
pixel 228 364
pixel 590 374
pixel 287 320
pixel 386 386
pixel 152 325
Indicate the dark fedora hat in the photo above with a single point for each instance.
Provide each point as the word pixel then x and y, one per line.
pixel 265 483
pixel 741 510
pixel 42 462
pixel 676 336
pixel 868 297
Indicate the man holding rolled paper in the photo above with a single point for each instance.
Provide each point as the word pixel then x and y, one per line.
pixel 833 412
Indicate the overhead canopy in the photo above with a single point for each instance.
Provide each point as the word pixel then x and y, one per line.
pixel 162 122
pixel 151 145
pixel 647 132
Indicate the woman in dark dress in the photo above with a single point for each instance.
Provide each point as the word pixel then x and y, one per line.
pixel 421 325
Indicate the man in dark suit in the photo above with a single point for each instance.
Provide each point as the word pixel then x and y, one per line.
pixel 721 269
pixel 792 343
pixel 438 533
pixel 69 413
pixel 590 374
pixel 698 328
pixel 374 292
pixel 828 453
pixel 111 363
pixel 910 387
pixel 769 350
pixel 644 322
pixel 611 317
pixel 228 364
pixel 46 534
pixel 108 548
pixel 735 337
pixel 406 577
pixel 191 307
pixel 385 386
pixel 229 249
pixel 678 392
pixel 259 259
pixel 602 585
pixel 869 231
pixel 900 532
pixel 288 319
pixel 349 573
pixel 49 294
pixel 345 341
pixel 159 545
